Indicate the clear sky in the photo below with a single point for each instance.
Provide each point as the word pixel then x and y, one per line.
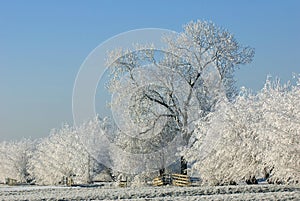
pixel 43 44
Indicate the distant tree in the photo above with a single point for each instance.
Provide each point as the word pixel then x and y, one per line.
pixel 65 154
pixel 97 136
pixel 14 157
pixel 59 156
pixel 181 83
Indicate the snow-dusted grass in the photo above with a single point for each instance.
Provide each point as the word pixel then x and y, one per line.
pixel 255 192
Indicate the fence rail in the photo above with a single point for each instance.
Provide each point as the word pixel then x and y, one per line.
pixel 123 184
pixel 68 181
pixel 181 180
pixel 172 179
pixel 158 181
pixel 11 182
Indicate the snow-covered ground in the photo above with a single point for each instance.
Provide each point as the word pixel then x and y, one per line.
pixel 255 192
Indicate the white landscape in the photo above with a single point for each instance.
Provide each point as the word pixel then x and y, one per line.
pixel 257 192
pixel 176 110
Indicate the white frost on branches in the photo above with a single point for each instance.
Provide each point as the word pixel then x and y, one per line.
pixel 65 153
pixel 59 155
pixel 259 137
pixel 14 157
pixel 179 84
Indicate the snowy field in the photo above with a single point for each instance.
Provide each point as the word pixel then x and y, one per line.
pixel 255 192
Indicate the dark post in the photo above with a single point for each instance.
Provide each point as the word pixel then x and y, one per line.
pixel 161 172
pixel 183 166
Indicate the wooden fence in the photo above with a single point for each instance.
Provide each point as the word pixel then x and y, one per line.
pixel 11 182
pixel 158 181
pixel 162 180
pixel 173 179
pixel 123 183
pixel 181 180
pixel 68 181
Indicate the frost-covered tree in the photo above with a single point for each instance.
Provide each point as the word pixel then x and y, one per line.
pixel 226 147
pixel 91 135
pixel 58 156
pixel 15 156
pixel 65 154
pixel 280 109
pixel 181 83
pixel 254 136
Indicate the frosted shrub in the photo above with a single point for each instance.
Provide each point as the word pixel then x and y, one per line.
pixel 258 137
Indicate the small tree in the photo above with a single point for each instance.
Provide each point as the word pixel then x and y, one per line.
pixel 65 153
pixel 59 156
pixel 15 156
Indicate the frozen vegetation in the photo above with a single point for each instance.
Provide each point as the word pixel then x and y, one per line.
pixel 186 92
pixel 257 192
pixel 258 137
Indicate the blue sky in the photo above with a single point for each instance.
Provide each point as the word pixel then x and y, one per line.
pixel 43 44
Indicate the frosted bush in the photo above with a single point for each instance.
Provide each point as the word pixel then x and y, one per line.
pixel 259 137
